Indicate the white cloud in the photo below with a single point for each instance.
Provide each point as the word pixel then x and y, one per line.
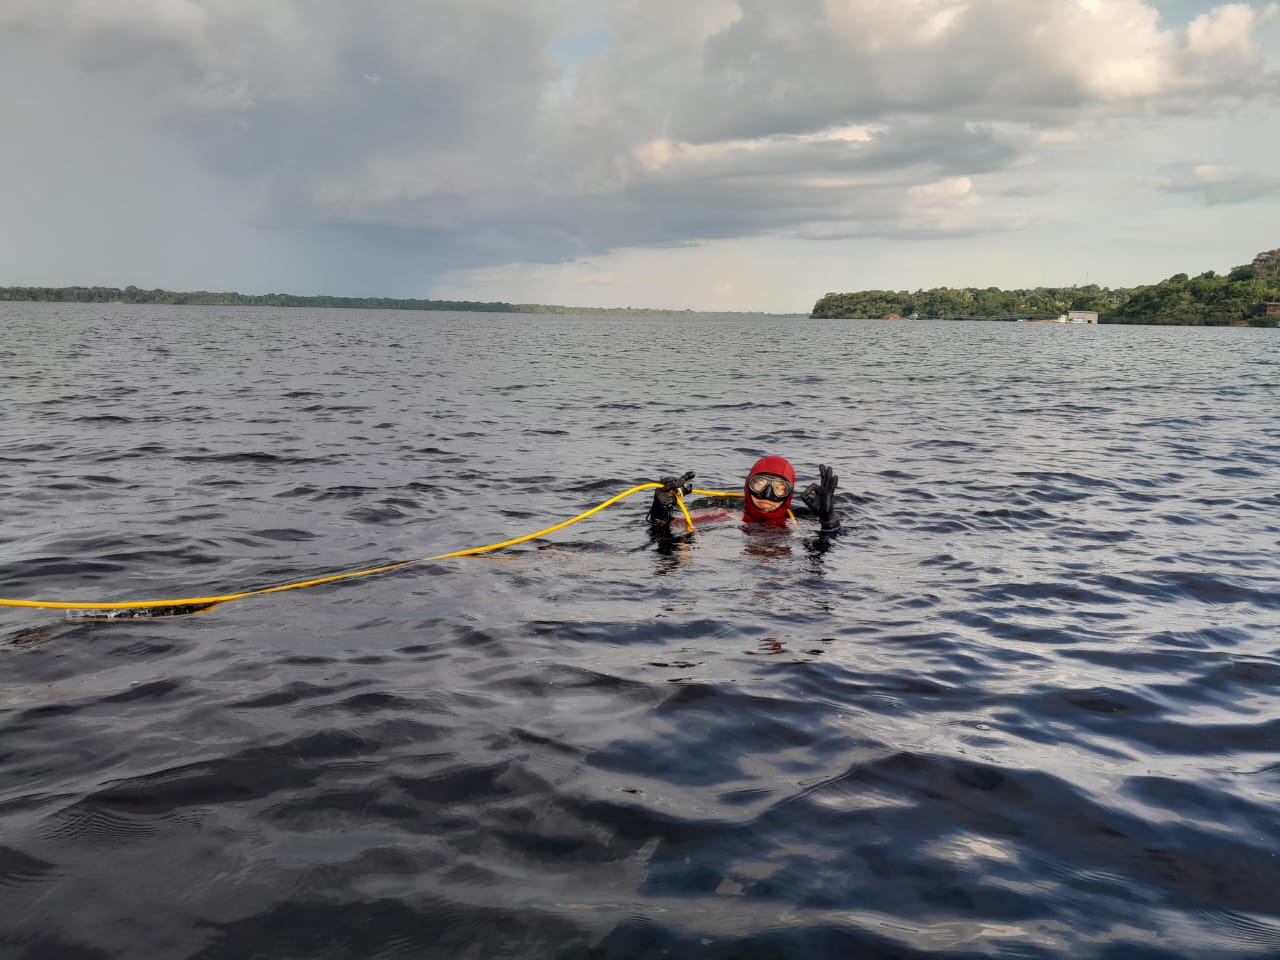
pixel 951 192
pixel 1229 30
pixel 1216 184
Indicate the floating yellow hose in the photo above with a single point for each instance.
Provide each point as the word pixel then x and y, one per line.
pixel 688 520
pixel 184 605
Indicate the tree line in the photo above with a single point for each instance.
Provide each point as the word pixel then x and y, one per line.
pixel 133 294
pixel 1209 299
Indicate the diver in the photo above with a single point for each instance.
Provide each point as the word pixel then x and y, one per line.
pixel 767 495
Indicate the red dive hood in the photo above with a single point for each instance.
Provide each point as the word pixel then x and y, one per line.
pixel 779 466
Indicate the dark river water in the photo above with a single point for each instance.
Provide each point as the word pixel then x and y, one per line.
pixel 1028 705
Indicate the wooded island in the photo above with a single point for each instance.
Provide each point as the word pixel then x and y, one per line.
pixel 1248 294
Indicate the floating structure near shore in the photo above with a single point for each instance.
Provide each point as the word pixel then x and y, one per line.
pixel 1071 316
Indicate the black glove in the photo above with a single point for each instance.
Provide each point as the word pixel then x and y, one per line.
pixel 820 498
pixel 664 500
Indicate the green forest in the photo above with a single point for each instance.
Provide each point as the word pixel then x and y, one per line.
pixel 1209 299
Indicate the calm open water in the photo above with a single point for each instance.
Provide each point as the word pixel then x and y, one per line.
pixel 1028 706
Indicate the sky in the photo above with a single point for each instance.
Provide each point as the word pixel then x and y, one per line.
pixel 738 155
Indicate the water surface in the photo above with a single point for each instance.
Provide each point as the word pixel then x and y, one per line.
pixel 1028 705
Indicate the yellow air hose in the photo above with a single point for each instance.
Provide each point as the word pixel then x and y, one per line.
pixel 184 605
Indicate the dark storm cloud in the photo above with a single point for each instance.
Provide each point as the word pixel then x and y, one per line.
pixel 729 190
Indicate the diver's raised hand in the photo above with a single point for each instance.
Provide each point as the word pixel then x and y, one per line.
pixel 664 500
pixel 667 495
pixel 683 483
pixel 820 498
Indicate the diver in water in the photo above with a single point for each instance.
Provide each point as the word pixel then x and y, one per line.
pixel 766 495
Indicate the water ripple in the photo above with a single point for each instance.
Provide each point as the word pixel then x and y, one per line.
pixel 1025 706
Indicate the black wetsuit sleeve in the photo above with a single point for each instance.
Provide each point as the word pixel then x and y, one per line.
pixel 667 496
pixel 659 513
pixel 828 526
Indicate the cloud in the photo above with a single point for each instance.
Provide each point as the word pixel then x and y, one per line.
pixel 796 67
pixel 474 132
pixel 1214 184
pixel 948 208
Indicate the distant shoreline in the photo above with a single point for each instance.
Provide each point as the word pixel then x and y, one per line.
pixel 136 295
